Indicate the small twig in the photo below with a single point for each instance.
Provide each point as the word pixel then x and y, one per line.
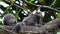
pixel 53 3
pixel 48 7
pixel 42 6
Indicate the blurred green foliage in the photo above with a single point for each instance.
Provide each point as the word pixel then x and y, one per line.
pixel 58 15
pixel 58 32
pixel 19 7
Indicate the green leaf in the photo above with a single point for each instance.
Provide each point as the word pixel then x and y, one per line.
pixel 58 15
pixel 12 0
pixel 0 21
pixel 30 0
pixel 58 32
pixel 42 1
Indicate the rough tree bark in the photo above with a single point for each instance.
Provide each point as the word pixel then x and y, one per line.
pixel 49 28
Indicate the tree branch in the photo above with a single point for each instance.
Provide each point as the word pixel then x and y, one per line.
pixel 42 6
pixel 4 30
pixel 49 27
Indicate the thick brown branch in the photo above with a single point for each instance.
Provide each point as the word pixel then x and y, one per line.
pixel 6 29
pixel 50 26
